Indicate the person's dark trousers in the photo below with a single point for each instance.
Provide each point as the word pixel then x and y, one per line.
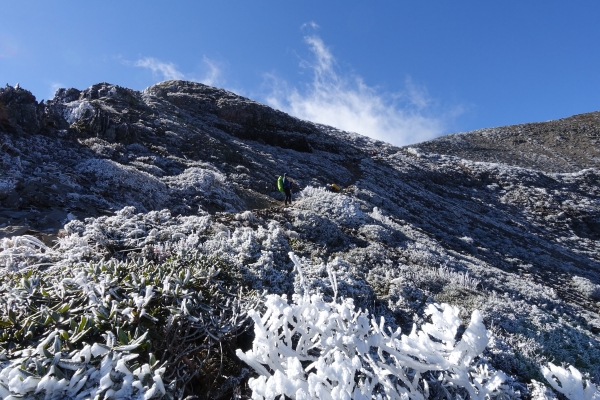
pixel 288 196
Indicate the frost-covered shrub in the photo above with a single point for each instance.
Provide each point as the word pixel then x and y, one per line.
pixel 155 235
pixel 245 216
pixel 137 148
pixel 130 230
pixel 319 229
pixel 570 383
pixel 456 277
pixel 350 283
pixel 102 147
pixel 7 185
pixel 186 311
pixel 313 348
pixel 536 336
pixel 540 392
pixel 95 370
pixel 20 252
pixel 336 207
pixel 378 233
pixel 210 186
pixel 120 180
pixel 586 287
pixel 260 253
pixel 419 253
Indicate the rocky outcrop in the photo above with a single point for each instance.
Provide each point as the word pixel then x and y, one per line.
pixel 236 115
pixel 19 111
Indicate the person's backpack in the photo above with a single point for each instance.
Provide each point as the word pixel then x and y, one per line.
pixel 280 184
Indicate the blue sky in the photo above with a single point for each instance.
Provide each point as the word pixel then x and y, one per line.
pixel 399 71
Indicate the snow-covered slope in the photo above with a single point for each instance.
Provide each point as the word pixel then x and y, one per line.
pixel 512 232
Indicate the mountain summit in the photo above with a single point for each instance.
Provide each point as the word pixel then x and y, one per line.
pixel 503 220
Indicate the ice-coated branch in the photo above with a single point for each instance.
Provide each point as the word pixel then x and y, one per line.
pixel 312 348
pixel 570 383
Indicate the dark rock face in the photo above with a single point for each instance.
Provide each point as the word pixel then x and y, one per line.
pixel 240 117
pixel 19 111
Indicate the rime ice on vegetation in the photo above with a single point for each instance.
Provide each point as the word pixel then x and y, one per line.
pixel 314 348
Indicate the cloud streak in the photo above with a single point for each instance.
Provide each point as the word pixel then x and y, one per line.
pixel 169 71
pixel 348 103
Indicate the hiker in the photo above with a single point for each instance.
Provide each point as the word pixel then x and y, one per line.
pixel 287 188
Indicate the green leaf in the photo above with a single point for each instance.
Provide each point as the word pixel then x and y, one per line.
pixel 141 339
pixel 152 360
pixel 82 324
pixel 101 312
pixel 12 317
pixel 122 336
pixel 5 323
pixel 64 308
pixel 77 337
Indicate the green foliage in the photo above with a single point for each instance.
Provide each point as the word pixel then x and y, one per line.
pixel 296 244
pixel 182 312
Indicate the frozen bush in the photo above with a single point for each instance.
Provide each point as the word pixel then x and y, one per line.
pixel 6 186
pixel 245 216
pixel 121 180
pixel 20 252
pixel 314 348
pixel 316 277
pixel 570 383
pixel 586 287
pixel 540 392
pixel 85 331
pixel 319 229
pixel 336 207
pixel 210 186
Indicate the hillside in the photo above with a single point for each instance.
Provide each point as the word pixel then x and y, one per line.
pixel 505 221
pixel 561 146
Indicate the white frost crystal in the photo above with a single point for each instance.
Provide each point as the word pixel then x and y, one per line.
pixel 571 383
pixel 317 349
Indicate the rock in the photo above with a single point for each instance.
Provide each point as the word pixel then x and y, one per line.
pixel 240 117
pixel 19 111
pixel 13 230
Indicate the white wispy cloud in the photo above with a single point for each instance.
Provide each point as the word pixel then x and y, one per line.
pixel 212 76
pixel 348 103
pixel 169 71
pixel 312 25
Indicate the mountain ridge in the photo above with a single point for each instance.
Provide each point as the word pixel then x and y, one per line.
pixel 564 145
pixel 407 223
